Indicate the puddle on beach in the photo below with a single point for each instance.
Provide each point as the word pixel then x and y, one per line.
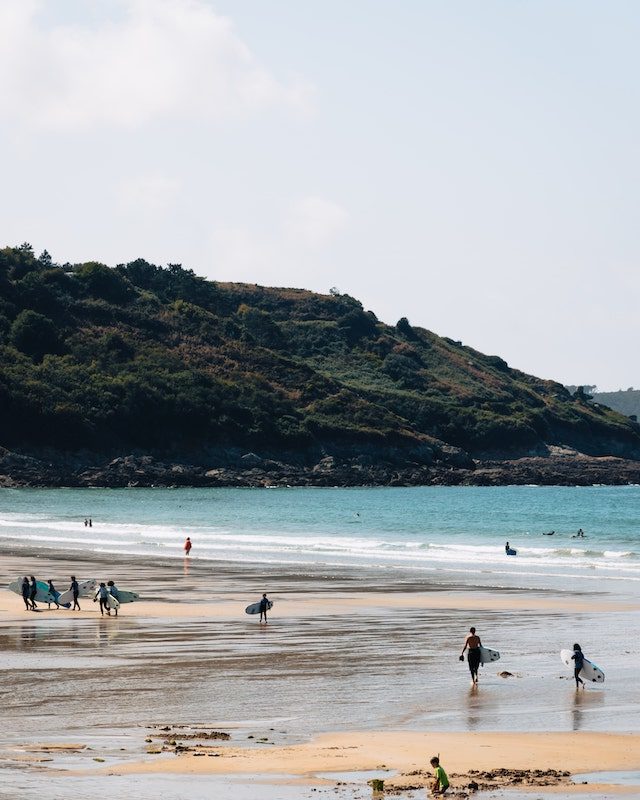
pixel 358 776
pixel 150 787
pixel 621 778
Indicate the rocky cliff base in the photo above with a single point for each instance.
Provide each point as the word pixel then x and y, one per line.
pixel 562 467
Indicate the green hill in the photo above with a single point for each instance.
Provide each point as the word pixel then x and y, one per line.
pixel 140 358
pixel 625 402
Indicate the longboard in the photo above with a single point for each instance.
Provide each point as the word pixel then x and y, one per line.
pixel 86 589
pixel 590 671
pixel 254 608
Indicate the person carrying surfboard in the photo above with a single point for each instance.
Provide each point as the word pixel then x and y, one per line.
pixel 113 591
pixel 103 595
pixel 75 589
pixel 578 659
pixel 264 607
pixel 473 657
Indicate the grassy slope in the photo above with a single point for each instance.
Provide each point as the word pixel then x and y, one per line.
pixel 150 358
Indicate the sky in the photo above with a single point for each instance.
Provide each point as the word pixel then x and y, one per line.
pixel 473 166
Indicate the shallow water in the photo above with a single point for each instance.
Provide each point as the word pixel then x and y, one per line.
pixel 438 531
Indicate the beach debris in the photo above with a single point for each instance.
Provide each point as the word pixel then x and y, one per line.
pixel 100 760
pixel 376 784
pixel 506 674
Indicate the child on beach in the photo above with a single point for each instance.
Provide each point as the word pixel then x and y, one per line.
pixel 578 659
pixel 441 782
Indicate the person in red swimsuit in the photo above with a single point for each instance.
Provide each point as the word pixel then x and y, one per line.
pixel 187 546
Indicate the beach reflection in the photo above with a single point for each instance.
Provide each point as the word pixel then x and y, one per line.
pixel 583 702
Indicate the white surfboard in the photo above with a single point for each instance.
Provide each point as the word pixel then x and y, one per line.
pixel 589 672
pixel 487 655
pixel 112 603
pixel 86 589
pixel 254 608
pixel 43 594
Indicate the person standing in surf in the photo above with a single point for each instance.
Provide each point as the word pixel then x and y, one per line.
pixel 75 590
pixel 578 659
pixel 187 546
pixel 264 607
pixel 473 657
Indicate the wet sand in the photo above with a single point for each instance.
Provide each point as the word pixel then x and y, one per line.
pixel 354 670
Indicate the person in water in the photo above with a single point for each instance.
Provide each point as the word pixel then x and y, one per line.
pixel 578 659
pixel 440 780
pixel 25 593
pixel 75 590
pixel 187 546
pixel 473 657
pixel 113 591
pixel 54 593
pixel 264 607
pixel 507 548
pixel 103 595
pixel 33 591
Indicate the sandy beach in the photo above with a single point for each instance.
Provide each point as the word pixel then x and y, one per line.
pixel 336 688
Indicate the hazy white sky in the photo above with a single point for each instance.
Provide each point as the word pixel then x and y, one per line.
pixel 473 166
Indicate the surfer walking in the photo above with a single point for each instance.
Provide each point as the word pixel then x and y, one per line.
pixel 113 591
pixel 25 588
pixel 578 659
pixel 103 595
pixel 75 590
pixel 33 591
pixel 473 643
pixel 264 607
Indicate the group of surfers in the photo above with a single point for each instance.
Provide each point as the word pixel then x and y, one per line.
pixel 29 590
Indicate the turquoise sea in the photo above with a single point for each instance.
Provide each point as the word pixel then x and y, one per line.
pixel 442 531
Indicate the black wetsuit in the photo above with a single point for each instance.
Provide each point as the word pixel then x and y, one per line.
pixel 578 657
pixel 33 591
pixel 26 591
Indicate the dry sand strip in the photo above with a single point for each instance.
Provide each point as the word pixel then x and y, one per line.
pixel 408 751
pixel 320 604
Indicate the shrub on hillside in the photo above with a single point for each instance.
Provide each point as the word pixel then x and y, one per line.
pixel 34 334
